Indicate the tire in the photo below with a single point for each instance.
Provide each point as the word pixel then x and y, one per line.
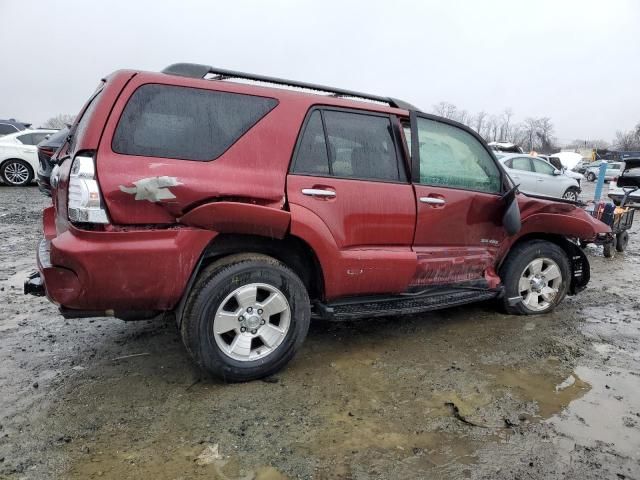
pixel 520 274
pixel 622 240
pixel 16 173
pixel 608 249
pixel 223 297
pixel 571 194
pixel 591 177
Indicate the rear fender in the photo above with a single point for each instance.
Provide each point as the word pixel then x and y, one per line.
pixel 239 218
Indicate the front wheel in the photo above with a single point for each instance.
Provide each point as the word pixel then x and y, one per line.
pixel 536 277
pixel 571 194
pixel 246 317
pixel 591 177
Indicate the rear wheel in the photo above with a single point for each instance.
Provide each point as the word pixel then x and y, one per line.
pixel 622 240
pixel 246 317
pixel 571 194
pixel 16 172
pixel 591 177
pixel 536 277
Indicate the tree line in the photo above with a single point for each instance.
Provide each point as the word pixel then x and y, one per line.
pixel 533 133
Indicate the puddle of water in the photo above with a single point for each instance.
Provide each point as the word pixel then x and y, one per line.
pixel 609 412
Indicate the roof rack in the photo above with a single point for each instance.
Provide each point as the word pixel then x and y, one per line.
pixel 195 70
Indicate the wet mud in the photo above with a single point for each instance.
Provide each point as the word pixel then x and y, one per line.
pixel 462 393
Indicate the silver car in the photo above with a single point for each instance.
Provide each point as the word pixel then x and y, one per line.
pixel 613 171
pixel 538 177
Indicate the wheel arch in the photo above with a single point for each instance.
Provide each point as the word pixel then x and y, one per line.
pixel 290 250
pixel 578 262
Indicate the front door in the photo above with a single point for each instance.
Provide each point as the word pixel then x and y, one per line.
pixel 458 187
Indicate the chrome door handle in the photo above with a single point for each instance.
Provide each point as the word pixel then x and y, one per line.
pixel 316 192
pixel 433 200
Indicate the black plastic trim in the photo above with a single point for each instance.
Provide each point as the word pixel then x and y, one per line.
pixel 194 70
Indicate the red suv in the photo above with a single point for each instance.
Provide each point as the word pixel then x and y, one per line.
pixel 244 205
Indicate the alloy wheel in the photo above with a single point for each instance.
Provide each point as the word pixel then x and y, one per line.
pixel 251 322
pixel 16 173
pixel 540 283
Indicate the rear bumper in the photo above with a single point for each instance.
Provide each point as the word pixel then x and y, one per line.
pixel 115 271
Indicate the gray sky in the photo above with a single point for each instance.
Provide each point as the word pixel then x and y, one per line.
pixel 577 62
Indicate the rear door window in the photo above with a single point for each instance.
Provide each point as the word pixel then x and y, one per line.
pixel 348 144
pixel 186 123
pixel 522 164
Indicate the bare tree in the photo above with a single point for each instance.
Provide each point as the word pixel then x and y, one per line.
pixel 445 109
pixel 627 140
pixel 478 121
pixel 59 121
pixel 506 124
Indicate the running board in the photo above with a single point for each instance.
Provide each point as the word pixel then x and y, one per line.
pixel 434 299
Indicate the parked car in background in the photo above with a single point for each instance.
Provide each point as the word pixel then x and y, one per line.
pixel 19 156
pixel 557 163
pixel 581 166
pixel 12 126
pixel 46 150
pixel 538 177
pixel 506 147
pixel 240 210
pixel 613 170
pixel 617 193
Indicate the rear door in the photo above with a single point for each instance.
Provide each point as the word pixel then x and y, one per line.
pixel 458 188
pixel 349 172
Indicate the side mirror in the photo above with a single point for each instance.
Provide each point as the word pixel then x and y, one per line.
pixel 511 219
pixel 557 172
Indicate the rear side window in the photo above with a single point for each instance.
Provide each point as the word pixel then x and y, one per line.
pixel 26 139
pixel 186 123
pixel 348 145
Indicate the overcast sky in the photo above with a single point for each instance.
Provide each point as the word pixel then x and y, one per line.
pixel 577 62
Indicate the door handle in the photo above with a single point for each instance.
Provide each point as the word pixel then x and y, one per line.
pixel 317 192
pixel 433 200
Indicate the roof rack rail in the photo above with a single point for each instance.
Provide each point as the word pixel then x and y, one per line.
pixel 195 70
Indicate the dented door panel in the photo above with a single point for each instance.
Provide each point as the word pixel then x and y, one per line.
pixel 456 240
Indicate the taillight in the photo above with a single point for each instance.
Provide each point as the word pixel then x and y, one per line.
pixel 85 202
pixel 48 151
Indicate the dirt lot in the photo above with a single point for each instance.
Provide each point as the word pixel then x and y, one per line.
pixel 462 393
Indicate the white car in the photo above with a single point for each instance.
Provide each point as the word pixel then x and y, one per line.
pixel 537 177
pixel 616 193
pixel 19 156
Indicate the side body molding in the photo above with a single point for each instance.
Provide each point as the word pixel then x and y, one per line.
pixel 236 217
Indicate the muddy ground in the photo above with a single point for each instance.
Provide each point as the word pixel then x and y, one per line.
pixel 461 393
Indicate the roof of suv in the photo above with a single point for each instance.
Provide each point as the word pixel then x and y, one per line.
pixel 194 70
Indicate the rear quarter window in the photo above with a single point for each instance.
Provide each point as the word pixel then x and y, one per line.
pixel 186 123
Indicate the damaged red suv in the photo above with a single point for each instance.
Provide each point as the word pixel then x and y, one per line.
pixel 245 205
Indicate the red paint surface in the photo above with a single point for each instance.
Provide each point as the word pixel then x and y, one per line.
pixel 236 217
pixel 373 237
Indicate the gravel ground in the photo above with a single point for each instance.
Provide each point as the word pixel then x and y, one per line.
pixel 460 393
